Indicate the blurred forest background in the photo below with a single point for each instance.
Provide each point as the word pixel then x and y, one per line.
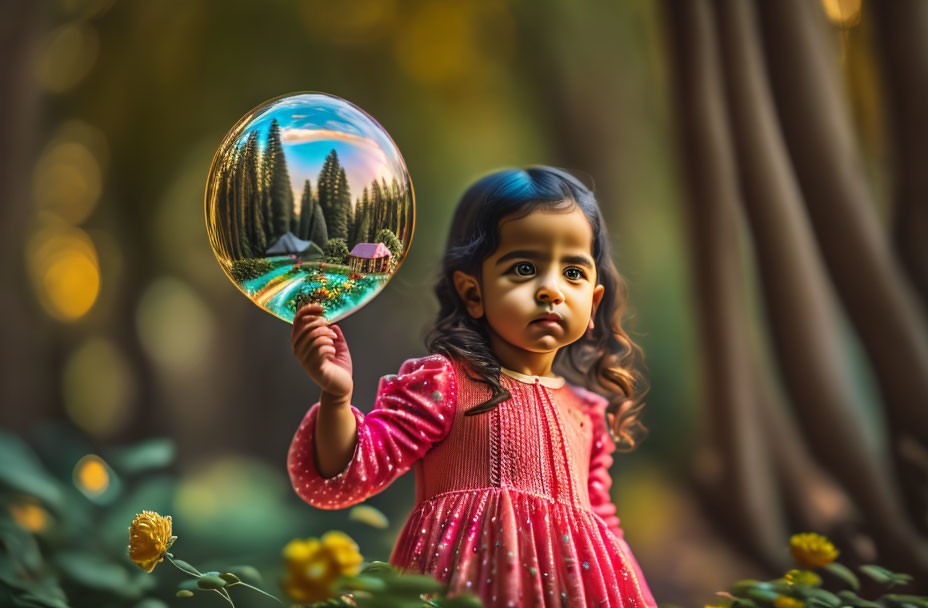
pixel 761 166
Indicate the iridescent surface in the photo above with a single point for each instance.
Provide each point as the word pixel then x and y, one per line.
pixel 309 200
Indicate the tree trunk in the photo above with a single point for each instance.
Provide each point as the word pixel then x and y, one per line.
pixel 903 28
pixel 874 291
pixel 800 307
pixel 746 492
pixel 23 385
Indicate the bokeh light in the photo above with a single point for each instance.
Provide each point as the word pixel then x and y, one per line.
pixel 92 476
pixel 369 515
pixel 67 180
pixel 64 268
pixel 308 200
pixel 30 515
pixel 349 23
pixel 98 388
pixel 175 326
pixel 66 57
pixel 234 493
pixel 843 13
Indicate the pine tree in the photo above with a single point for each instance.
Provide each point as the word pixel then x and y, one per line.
pixel 220 212
pixel 342 207
pixel 377 202
pixel 353 222
pixel 326 185
pixel 318 233
pixel 279 186
pixel 265 170
pixel 363 221
pixel 368 217
pixel 232 204
pixel 400 209
pixel 254 216
pixel 242 217
pixel 306 212
pixel 294 221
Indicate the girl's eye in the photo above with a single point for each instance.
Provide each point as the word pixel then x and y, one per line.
pixel 574 274
pixel 524 269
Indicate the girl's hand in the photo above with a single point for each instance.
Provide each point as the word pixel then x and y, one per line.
pixel 322 351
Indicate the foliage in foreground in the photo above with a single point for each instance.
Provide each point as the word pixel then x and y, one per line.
pixel 803 587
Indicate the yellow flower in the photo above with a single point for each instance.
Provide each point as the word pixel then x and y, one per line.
pixel 812 550
pixel 314 564
pixel 149 539
pixel 802 577
pixel 785 601
pixel 30 515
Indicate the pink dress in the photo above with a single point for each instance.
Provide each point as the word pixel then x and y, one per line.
pixel 511 505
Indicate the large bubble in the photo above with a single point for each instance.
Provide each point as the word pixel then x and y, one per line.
pixel 308 200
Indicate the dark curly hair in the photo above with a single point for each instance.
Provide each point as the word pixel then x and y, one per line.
pixel 606 362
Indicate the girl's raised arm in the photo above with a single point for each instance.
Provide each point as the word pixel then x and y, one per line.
pixel 412 412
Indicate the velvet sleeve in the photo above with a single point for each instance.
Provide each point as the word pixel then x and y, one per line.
pixel 413 410
pixel 600 480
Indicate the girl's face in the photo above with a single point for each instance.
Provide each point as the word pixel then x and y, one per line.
pixel 542 267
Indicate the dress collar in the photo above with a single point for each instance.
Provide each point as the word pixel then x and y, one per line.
pixel 549 381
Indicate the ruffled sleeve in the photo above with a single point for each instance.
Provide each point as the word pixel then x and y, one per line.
pixel 413 411
pixel 600 480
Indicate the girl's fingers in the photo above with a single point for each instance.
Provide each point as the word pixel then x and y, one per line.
pixel 306 339
pixel 313 308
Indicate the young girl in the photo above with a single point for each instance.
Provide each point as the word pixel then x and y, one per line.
pixel 511 460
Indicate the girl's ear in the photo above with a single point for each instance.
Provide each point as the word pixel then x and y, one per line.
pixel 468 289
pixel 598 292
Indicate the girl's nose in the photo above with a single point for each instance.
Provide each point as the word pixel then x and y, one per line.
pixel 549 292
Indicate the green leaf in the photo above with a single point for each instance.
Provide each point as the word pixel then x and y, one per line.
pixel 877 573
pixel 143 456
pixel 385 600
pixel 853 599
pixel 248 574
pixel 741 587
pixel 30 600
pixel 826 598
pixel 20 546
pixel 468 600
pixel 22 471
pixel 844 573
pixel 361 582
pixel 379 568
pixel 94 572
pixel 229 578
pixel 184 565
pixel 210 581
pixel 763 595
pixel 188 584
pixel 418 583
pixel 915 600
pixel 151 602
pixel 184 593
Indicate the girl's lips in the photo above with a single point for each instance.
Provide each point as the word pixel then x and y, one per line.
pixel 546 322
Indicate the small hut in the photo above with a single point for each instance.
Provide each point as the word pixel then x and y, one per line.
pixel 370 257
pixel 289 243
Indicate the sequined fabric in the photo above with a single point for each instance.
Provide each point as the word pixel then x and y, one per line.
pixel 512 505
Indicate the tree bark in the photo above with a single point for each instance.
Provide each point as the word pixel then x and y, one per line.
pixel 874 290
pixel 23 385
pixel 746 492
pixel 903 29
pixel 799 305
